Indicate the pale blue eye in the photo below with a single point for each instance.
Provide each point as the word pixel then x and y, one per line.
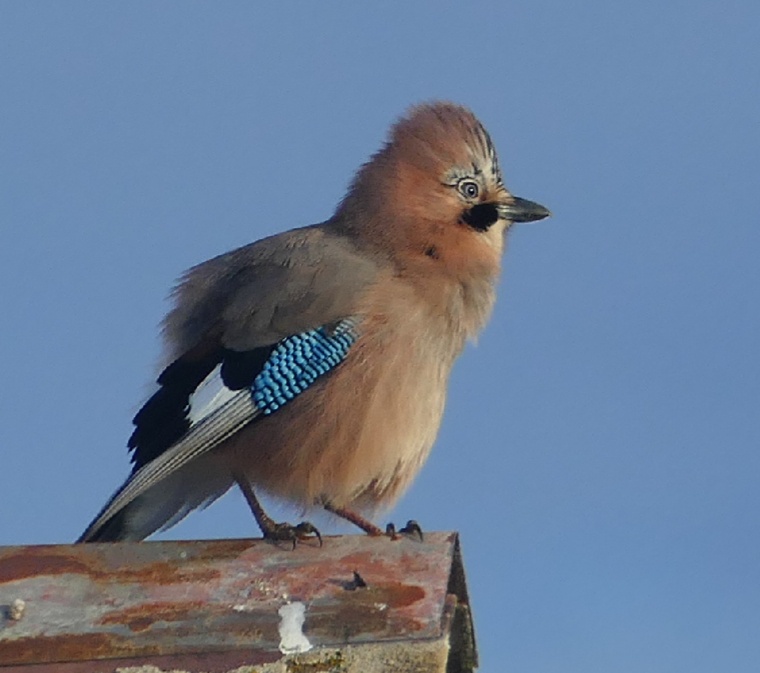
pixel 469 189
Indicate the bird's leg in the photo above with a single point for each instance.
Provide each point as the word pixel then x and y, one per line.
pixel 270 528
pixel 357 519
pixel 412 528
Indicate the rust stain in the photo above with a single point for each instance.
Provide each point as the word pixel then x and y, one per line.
pixel 194 662
pixel 371 612
pixel 350 622
pixel 163 573
pixel 394 595
pixel 69 647
pixel 143 616
pixel 183 619
pixel 25 565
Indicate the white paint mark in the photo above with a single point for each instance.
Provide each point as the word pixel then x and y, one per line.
pixel 292 639
pixel 16 609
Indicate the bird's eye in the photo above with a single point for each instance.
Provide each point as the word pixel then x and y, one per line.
pixel 469 189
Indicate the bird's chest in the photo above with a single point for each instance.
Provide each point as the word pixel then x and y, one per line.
pixel 402 361
pixel 391 391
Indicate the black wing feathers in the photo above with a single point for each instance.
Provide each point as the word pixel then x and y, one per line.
pixel 239 369
pixel 164 418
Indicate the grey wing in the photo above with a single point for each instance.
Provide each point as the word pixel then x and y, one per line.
pixel 229 314
pixel 263 292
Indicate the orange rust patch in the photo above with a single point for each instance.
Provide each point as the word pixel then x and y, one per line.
pixel 142 617
pixel 374 610
pixel 28 564
pixel 397 595
pixel 164 573
pixel 69 647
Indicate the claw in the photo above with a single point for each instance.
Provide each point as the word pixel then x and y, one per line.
pixel 412 529
pixel 282 532
pixel 305 530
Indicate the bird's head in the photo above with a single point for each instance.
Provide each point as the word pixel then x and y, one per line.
pixel 437 186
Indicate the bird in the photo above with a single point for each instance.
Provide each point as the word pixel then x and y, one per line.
pixel 313 365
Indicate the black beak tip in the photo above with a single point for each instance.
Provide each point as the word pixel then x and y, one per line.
pixel 528 211
pixel 540 213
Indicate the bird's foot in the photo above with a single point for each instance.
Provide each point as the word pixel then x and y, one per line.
pixel 286 532
pixel 276 532
pixel 412 529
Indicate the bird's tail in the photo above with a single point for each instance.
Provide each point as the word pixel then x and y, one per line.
pixel 196 484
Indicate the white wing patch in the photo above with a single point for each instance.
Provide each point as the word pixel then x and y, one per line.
pixel 209 396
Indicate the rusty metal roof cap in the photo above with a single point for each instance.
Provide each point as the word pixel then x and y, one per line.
pixel 217 605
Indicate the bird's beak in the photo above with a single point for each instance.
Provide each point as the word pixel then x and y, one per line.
pixel 522 210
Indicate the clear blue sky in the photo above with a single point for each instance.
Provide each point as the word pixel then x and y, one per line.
pixel 599 453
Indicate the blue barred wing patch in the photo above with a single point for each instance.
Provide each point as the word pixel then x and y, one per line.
pixel 298 361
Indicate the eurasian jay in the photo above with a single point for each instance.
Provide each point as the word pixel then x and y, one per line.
pixel 312 365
